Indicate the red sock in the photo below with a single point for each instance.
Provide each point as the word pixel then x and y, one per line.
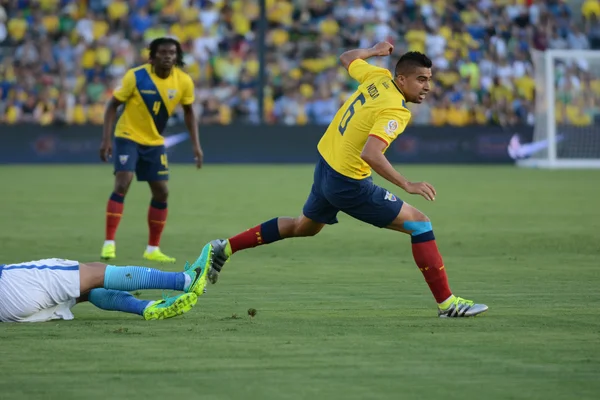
pixel 157 217
pixel 114 211
pixel 267 232
pixel 430 263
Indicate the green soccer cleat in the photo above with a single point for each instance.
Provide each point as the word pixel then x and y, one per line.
pixel 198 271
pixel 109 251
pixel 221 251
pixel 456 307
pixel 171 306
pixel 158 256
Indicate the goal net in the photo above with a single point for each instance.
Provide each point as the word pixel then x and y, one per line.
pixel 567 110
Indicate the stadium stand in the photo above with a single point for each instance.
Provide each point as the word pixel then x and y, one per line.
pixel 60 59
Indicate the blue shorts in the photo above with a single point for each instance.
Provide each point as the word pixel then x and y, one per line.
pixel 361 199
pixel 148 162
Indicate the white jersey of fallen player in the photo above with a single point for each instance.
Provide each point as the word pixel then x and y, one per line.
pixel 38 291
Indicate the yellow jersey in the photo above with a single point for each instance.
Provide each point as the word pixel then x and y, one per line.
pixel 377 108
pixel 149 102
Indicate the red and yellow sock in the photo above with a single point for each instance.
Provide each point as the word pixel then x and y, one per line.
pixel 114 212
pixel 157 217
pixel 430 262
pixel 265 233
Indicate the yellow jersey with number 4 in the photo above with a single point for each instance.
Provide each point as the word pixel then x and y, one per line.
pixel 377 108
pixel 149 102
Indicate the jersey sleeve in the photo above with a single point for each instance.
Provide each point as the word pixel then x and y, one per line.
pixel 390 124
pixel 126 88
pixel 361 70
pixel 187 96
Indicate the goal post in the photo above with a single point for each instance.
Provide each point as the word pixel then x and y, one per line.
pixel 567 110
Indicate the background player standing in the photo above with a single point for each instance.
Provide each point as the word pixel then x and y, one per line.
pixel 353 145
pixel 150 94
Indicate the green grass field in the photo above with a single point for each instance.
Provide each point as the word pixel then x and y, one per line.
pixel 345 315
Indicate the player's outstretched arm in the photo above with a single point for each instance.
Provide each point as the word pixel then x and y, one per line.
pixel 372 154
pixel 381 49
pixel 110 114
pixel 192 125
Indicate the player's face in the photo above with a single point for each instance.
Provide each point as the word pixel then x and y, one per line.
pixel 165 57
pixel 415 85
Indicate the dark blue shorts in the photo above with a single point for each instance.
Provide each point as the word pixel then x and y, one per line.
pixel 149 162
pixel 362 199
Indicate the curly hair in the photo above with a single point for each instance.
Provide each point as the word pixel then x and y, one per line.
pixel 156 43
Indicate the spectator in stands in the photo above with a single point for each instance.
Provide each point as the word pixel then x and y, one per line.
pixel 60 60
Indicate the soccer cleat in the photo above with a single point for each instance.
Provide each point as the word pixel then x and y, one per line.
pixel 459 307
pixel 221 251
pixel 171 306
pixel 109 251
pixel 159 256
pixel 198 271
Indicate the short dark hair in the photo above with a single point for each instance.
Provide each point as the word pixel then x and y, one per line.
pixel 154 45
pixel 411 60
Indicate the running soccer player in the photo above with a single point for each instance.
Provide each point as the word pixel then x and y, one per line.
pixel 150 94
pixel 44 290
pixel 353 145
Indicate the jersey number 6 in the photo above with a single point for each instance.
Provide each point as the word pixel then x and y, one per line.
pixel 350 113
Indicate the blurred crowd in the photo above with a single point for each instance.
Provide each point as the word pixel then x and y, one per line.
pixel 61 59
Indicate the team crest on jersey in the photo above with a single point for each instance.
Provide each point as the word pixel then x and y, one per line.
pixel 389 196
pixel 171 93
pixel 123 159
pixel 391 127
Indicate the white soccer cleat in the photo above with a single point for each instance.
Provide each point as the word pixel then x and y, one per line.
pixel 460 307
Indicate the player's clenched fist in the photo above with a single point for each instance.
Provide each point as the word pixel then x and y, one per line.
pixel 383 49
pixel 421 188
pixel 105 150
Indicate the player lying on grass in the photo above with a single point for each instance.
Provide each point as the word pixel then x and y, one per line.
pixel 353 145
pixel 150 93
pixel 44 290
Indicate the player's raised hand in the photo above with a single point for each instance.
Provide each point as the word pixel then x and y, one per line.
pixel 421 188
pixel 105 150
pixel 383 49
pixel 198 157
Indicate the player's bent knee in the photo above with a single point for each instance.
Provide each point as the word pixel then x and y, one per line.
pixel 160 192
pixel 305 227
pixel 121 189
pixel 91 275
pixel 418 227
pixel 306 232
pixel 122 182
pixel 161 197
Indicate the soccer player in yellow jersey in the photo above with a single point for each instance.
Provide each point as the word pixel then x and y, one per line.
pixel 353 145
pixel 149 94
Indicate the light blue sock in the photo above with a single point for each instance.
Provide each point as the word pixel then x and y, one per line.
pixel 138 278
pixel 116 300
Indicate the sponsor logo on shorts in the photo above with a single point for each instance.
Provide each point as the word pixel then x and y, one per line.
pixel 123 159
pixel 389 196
